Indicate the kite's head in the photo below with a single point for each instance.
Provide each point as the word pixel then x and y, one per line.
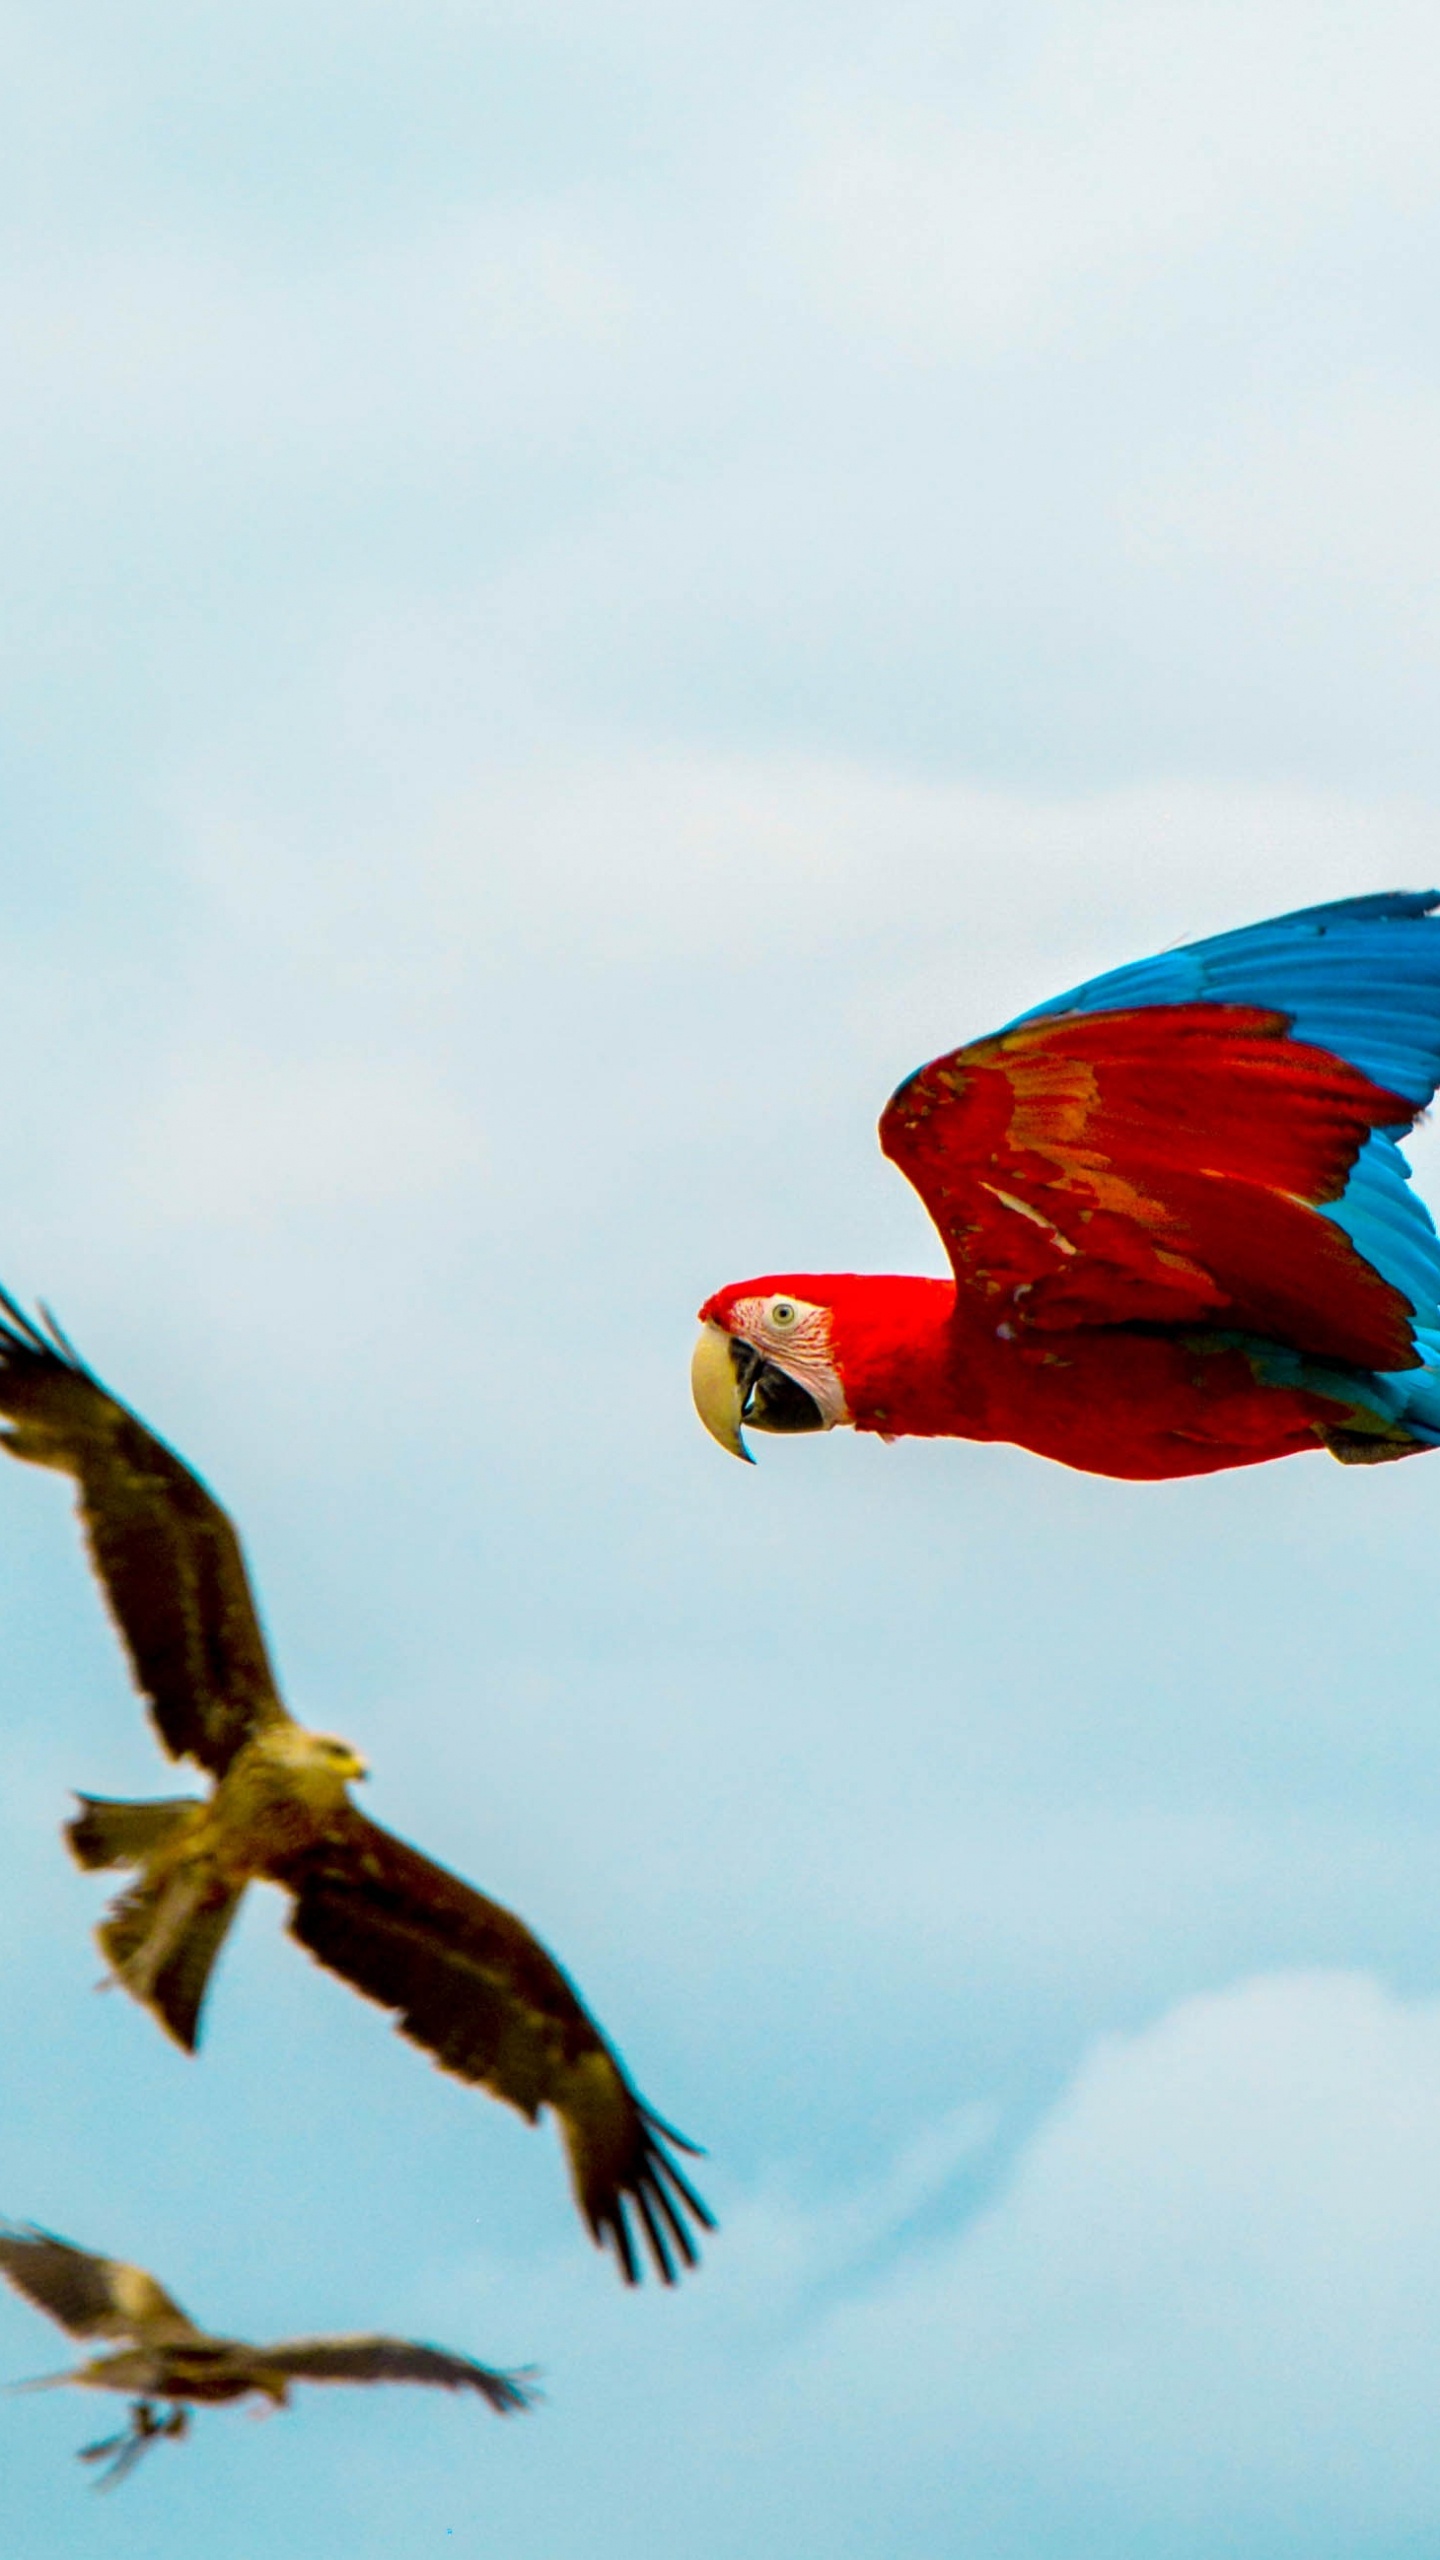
pixel 765 1358
pixel 318 1766
pixel 337 1761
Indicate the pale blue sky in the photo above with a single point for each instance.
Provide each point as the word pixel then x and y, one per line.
pixel 584 588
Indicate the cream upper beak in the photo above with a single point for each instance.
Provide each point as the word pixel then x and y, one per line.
pixel 715 1386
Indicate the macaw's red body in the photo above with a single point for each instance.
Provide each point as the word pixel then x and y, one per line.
pixel 1177 1218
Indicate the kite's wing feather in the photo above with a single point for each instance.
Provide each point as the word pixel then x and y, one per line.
pixel 472 1986
pixel 92 2297
pixel 167 1557
pixel 394 2360
pixel 1207 1137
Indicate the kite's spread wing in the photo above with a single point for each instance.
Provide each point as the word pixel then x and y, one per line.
pixel 90 2296
pixel 167 1556
pixel 468 1981
pixel 472 1986
pixel 393 2360
pixel 1205 1138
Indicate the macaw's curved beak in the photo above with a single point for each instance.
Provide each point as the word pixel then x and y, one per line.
pixel 733 1383
pixel 720 1375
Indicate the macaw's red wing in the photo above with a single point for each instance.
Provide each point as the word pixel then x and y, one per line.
pixel 1158 1166
pixel 474 1988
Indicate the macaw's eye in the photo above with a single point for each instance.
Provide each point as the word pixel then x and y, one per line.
pixel 782 1313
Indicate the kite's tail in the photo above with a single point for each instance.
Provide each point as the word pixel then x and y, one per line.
pixel 107 1832
pixel 162 1936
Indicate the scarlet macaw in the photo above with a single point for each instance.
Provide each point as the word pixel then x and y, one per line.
pixel 1180 1226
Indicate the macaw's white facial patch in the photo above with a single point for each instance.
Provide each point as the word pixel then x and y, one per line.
pixel 796 1336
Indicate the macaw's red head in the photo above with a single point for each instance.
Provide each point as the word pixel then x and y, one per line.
pixel 803 1350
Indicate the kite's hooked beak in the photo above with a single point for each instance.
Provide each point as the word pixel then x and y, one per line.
pixel 324 1755
pixel 733 1382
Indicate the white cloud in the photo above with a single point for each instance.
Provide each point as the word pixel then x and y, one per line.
pixel 1343 495
pixel 1208 2301
pixel 481 326
pixel 975 195
pixel 243 1137
pixel 645 857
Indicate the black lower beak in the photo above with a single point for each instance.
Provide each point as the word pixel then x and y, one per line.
pixel 774 1401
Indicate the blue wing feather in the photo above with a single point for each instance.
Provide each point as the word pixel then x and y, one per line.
pixel 1360 977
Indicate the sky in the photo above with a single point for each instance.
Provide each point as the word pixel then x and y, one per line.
pixel 583 589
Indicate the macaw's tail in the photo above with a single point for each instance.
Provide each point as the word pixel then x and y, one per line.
pixel 163 1934
pixel 1418 1390
pixel 1380 1413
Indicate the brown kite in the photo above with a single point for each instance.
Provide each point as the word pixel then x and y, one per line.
pixel 165 2361
pixel 465 1978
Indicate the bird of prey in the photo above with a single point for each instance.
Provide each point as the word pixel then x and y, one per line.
pixel 1178 1221
pixel 163 2361
pixel 467 1980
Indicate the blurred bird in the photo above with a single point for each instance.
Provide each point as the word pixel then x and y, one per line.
pixel 467 1979
pixel 165 2361
pixel 1177 1218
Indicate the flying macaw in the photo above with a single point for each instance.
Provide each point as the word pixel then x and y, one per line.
pixel 1179 1223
